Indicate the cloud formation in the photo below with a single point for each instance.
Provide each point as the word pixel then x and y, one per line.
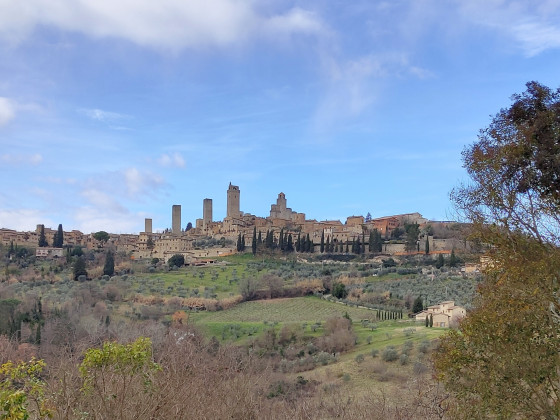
pixel 165 24
pixel 7 111
pixel 103 116
pixel 12 159
pixel 174 160
pixel 535 27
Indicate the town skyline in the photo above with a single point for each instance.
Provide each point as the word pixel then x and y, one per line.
pixel 111 113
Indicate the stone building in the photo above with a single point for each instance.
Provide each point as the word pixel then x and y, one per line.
pixel 233 194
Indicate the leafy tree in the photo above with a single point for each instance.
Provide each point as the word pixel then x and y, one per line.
pixel 368 217
pixel 101 236
pixel 189 227
pixel 412 231
pixel 79 267
pixel 176 260
pixel 115 375
pixel 397 233
pixel 77 251
pixel 339 290
pixel 512 203
pixel 42 239
pixel 109 267
pixel 22 391
pixel 418 305
pixel 150 243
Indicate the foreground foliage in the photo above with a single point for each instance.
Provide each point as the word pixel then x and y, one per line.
pixel 504 360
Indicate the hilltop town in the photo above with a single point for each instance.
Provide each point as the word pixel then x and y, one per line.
pixel 209 238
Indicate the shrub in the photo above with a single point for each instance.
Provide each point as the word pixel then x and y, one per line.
pixel 339 291
pixel 374 353
pixel 176 260
pixel 389 354
pixel 359 358
pixel 403 359
pixel 424 346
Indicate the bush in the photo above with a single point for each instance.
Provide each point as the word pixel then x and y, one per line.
pixel 424 346
pixel 403 359
pixel 389 354
pixel 339 291
pixel 176 260
pixel 374 353
pixel 359 358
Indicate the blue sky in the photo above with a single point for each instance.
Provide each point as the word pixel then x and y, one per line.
pixel 114 110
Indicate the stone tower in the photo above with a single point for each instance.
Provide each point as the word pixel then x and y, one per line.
pixel 148 225
pixel 176 219
pixel 206 212
pixel 233 201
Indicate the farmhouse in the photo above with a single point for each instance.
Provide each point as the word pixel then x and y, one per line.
pixel 444 314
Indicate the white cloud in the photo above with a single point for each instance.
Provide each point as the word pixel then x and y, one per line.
pixel 534 26
pixel 104 201
pixel 10 159
pixel 103 116
pixel 140 183
pixel 353 85
pixel 93 219
pixel 7 111
pixel 166 24
pixel 171 160
pixel 23 219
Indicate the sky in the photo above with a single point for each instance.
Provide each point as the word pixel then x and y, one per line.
pixel 112 111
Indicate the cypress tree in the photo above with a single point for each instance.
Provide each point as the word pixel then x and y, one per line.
pixel 427 245
pixel 328 245
pixel 431 320
pixel 308 244
pixel 298 242
pixel 109 267
pixel 347 246
pixel 281 240
pixel 254 243
pixel 371 242
pixel 290 246
pixel 260 238
pixel 79 268
pixel 42 239
pixel 323 241
pixel 243 243
pixel 452 259
pixel 59 237
pixel 439 262
pixel 427 321
pixel 363 248
pixel 239 242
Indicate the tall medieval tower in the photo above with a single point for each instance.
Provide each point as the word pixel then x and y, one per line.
pixel 206 212
pixel 176 219
pixel 233 201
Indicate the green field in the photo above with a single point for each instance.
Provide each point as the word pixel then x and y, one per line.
pixel 302 309
pixel 249 319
